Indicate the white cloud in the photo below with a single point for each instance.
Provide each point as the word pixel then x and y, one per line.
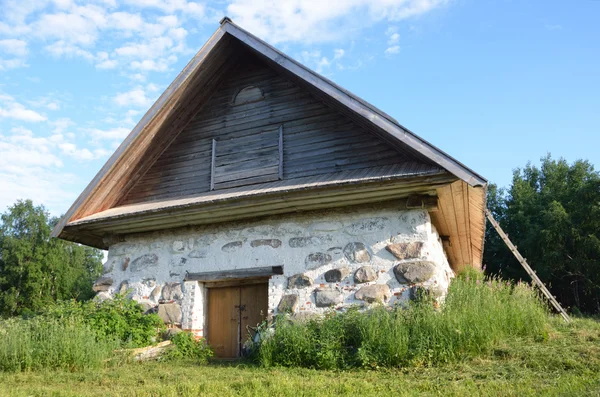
pixel 126 21
pixel 394 38
pixel 23 149
pixel 62 48
pixel 73 28
pixel 15 63
pixel 61 124
pixel 138 77
pixel 69 27
pixel 191 8
pixel 103 61
pixel 39 157
pixel 135 97
pixel 319 21
pixel 322 63
pixel 11 109
pixel 392 50
pixel 107 64
pixel 145 50
pixel 118 134
pixel 35 183
pixel 49 102
pixel 150 65
pixel 14 47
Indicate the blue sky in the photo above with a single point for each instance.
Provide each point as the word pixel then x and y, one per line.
pixel 493 83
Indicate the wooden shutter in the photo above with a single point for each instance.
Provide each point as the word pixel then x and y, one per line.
pixel 247 160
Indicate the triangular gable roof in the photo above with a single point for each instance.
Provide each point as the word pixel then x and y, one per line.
pixel 201 75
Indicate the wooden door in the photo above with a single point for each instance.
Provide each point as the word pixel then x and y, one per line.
pixel 223 321
pixel 254 301
pixel 231 310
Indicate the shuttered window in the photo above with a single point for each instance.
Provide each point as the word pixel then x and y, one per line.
pixel 247 160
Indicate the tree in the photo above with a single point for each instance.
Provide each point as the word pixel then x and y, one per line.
pixel 552 214
pixel 36 269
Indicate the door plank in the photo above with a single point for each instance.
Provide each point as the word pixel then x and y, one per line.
pixel 223 321
pixel 255 301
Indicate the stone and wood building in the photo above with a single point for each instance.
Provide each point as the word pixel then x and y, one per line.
pixel 254 186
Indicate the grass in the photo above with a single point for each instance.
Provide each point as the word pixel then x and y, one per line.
pixel 42 343
pixel 489 338
pixel 477 315
pixel 567 363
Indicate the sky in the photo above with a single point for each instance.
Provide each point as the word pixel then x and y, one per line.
pixel 493 83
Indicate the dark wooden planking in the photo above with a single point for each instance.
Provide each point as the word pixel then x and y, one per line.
pixel 280 151
pixel 269 158
pixel 264 170
pixel 315 140
pixel 173 186
pixel 263 177
pixel 212 164
pixel 348 103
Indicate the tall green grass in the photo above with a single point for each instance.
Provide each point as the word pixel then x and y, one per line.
pixel 43 342
pixel 75 335
pixel 476 315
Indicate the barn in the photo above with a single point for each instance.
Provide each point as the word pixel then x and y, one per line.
pixel 254 186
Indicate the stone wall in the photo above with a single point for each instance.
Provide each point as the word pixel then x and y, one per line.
pixel 331 259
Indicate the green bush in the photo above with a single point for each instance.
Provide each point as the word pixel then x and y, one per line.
pixel 50 343
pixel 477 314
pixel 186 346
pixel 119 318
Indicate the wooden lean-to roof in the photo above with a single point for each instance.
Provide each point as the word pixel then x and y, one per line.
pixel 245 131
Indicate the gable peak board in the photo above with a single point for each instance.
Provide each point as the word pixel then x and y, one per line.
pixel 219 137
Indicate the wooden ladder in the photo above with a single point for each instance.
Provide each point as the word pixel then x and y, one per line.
pixel 526 266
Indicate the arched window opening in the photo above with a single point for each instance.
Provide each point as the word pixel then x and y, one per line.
pixel 248 94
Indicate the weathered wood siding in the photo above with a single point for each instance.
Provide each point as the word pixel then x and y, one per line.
pixel 316 139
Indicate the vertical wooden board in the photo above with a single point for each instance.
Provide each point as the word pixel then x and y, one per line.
pixel 212 164
pixel 281 152
pixel 477 204
pixel 467 212
pixel 446 204
pixel 460 218
pixel 223 321
pixel 255 300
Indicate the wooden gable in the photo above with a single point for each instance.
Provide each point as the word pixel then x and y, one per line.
pixel 246 131
pixel 276 130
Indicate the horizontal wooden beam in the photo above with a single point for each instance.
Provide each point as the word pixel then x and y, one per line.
pixel 235 274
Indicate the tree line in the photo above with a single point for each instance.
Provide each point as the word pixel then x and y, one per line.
pixel 551 212
pixel 36 270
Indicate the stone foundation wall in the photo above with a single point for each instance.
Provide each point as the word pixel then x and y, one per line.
pixel 331 259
